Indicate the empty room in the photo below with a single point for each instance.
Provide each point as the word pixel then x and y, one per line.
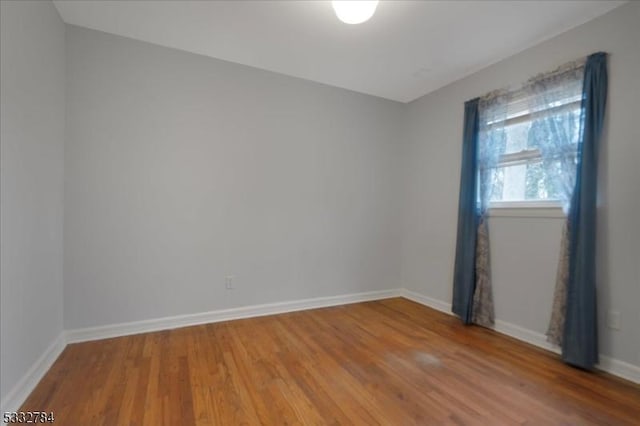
pixel 320 212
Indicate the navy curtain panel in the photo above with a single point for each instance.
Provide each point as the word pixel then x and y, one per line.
pixel 464 275
pixel 580 338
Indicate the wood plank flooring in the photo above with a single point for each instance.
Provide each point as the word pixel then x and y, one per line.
pixel 391 362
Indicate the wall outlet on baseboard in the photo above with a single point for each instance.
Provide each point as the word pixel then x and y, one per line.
pixel 228 282
pixel 613 320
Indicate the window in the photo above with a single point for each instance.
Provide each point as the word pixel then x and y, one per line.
pixel 529 141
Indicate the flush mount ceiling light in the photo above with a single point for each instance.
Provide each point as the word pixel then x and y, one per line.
pixel 354 12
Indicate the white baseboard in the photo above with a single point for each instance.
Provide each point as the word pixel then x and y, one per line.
pixel 438 305
pixel 23 388
pixel 610 365
pixel 146 326
pixel 524 334
pixel 16 396
pixel 619 368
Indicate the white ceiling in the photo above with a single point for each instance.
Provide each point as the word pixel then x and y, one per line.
pixel 408 48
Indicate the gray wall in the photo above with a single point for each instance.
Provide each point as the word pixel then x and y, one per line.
pixel 32 77
pixel 524 251
pixel 182 169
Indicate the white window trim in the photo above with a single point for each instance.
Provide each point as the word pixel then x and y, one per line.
pixel 536 208
pixel 527 115
pixel 524 156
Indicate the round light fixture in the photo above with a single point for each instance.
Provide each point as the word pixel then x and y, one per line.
pixel 354 12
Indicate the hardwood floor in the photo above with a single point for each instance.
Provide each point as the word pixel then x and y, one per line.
pixel 388 362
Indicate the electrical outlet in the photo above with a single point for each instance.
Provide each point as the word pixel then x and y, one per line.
pixel 613 320
pixel 228 282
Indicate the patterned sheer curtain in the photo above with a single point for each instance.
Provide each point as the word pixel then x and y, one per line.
pixel 555 106
pixel 492 142
pixel 554 102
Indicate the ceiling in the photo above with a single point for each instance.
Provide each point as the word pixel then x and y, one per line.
pixel 408 48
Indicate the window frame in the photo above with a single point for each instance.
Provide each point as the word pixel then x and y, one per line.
pixel 527 208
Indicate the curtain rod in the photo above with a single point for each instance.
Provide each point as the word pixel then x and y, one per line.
pixel 567 67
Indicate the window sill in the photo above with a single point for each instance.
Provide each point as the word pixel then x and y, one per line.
pixel 548 209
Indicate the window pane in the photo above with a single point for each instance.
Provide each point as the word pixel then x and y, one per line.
pixel 514 183
pixel 536 180
pixel 530 151
pixel 535 183
pixel 517 136
pixel 554 137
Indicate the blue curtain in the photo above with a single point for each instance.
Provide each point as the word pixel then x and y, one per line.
pixel 580 338
pixel 464 275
